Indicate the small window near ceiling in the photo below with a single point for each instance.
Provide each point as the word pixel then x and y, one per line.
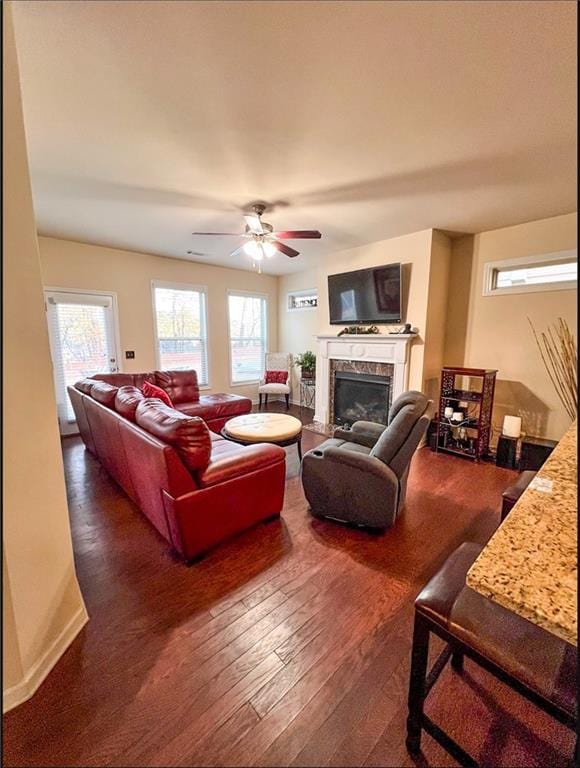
pixel 248 322
pixel 181 328
pixel 548 272
pixel 302 300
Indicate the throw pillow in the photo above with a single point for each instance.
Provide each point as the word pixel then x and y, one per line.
pixel 150 390
pixel 276 377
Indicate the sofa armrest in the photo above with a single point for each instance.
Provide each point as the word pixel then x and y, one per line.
pixel 242 462
pixel 362 432
pixel 363 463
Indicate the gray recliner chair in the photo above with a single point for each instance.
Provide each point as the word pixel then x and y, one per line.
pixel 359 476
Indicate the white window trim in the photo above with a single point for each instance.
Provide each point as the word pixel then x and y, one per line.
pixel 183 287
pixel 490 267
pixel 305 292
pixel 110 294
pixel 255 295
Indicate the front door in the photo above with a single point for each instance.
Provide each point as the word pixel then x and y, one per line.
pixel 82 331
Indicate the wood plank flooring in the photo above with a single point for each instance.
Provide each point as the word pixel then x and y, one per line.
pixel 289 645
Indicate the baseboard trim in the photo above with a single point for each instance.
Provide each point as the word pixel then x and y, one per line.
pixel 31 682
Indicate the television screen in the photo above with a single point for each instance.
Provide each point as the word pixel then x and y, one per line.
pixel 366 296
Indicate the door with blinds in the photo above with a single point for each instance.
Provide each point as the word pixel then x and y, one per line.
pixel 82 332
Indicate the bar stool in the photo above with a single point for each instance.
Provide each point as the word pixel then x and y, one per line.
pixel 514 491
pixel 535 663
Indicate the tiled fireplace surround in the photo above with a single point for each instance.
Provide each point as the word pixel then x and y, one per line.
pixel 385 355
pixel 355 366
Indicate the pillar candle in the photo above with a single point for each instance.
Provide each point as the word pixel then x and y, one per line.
pixel 512 426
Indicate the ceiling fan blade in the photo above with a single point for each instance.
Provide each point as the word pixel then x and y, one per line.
pixel 285 249
pixel 205 234
pixel 254 224
pixel 299 234
pixel 237 252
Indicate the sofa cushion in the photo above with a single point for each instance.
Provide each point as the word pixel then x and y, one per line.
pixel 216 406
pixel 152 390
pixel 189 435
pixel 126 401
pixel 85 385
pixel 276 377
pixel 126 379
pixel 403 416
pixel 274 389
pixel 229 460
pixel 181 386
pixel 104 393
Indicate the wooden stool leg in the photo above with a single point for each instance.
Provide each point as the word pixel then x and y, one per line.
pixel 457 661
pixel 287 401
pixel 419 659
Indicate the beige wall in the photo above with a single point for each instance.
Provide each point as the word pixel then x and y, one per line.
pixel 67 264
pixel 437 296
pixel 41 594
pixel 414 252
pixel 494 330
pixel 297 330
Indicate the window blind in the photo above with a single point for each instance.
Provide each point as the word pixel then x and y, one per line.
pixel 537 275
pixel 248 332
pixel 181 324
pixel 82 343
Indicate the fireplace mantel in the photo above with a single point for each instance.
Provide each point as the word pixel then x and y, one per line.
pixel 379 348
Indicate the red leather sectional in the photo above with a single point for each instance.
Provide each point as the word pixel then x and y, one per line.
pixel 183 389
pixel 197 488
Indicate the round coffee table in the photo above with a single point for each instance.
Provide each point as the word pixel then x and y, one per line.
pixel 277 428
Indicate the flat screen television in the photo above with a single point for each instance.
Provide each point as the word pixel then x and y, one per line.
pixel 366 296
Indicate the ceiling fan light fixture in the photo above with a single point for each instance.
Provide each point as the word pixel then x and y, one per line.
pixel 252 248
pixel 262 242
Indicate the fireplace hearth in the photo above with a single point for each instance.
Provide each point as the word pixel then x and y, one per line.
pixel 361 397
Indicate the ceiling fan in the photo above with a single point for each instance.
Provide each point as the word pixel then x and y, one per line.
pixel 262 241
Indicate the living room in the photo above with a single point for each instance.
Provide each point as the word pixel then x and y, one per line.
pixel 246 572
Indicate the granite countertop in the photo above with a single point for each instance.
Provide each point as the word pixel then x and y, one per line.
pixel 530 564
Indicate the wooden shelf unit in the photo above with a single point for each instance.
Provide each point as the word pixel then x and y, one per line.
pixel 478 426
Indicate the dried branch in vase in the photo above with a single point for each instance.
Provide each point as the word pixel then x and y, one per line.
pixel 558 352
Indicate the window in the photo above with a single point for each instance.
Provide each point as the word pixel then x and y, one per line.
pixel 549 272
pixel 82 330
pixel 302 299
pixel 181 328
pixel 248 323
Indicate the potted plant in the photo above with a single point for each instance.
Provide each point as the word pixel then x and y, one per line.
pixel 307 364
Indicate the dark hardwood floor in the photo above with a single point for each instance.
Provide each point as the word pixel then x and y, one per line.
pixel 289 645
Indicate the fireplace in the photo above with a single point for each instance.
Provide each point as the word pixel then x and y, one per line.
pixel 361 397
pixel 379 356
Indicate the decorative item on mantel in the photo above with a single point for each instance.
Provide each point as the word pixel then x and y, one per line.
pixel 358 330
pixel 407 328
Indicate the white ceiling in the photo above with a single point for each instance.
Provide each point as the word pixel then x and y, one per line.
pixel 366 120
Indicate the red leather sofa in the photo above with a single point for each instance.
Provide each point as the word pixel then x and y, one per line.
pixel 197 488
pixel 183 389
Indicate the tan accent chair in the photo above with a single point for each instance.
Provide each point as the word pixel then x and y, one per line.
pixel 276 361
